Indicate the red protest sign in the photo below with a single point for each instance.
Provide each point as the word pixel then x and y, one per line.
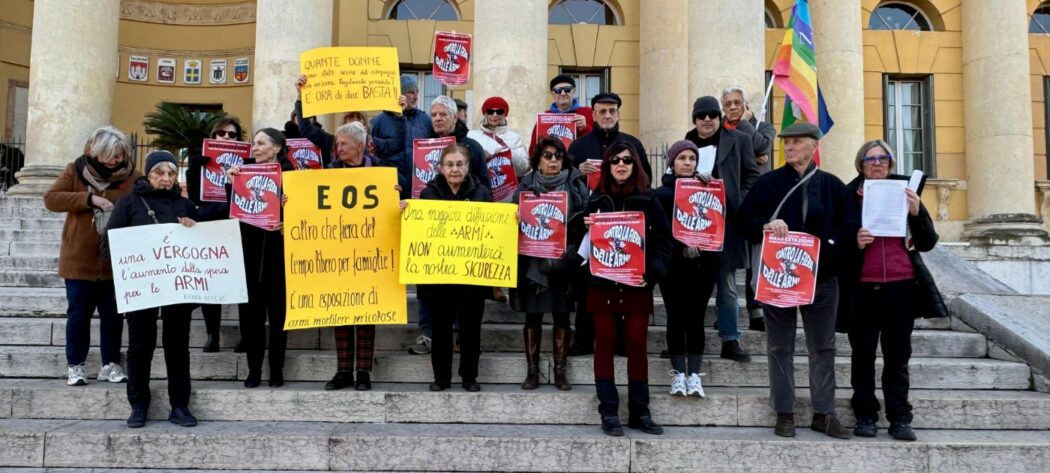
pixel 502 179
pixel 426 153
pixel 787 276
pixel 594 177
pixel 304 154
pixel 618 247
pixel 256 196
pixel 223 154
pixel 451 58
pixel 699 214
pixel 557 125
pixel 544 217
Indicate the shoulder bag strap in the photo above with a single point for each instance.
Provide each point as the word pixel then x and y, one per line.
pixel 149 210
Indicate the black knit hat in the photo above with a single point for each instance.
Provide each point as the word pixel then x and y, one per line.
pixel 160 156
pixel 558 79
pixel 706 105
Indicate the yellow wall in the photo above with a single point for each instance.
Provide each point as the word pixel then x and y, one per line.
pixel 16 19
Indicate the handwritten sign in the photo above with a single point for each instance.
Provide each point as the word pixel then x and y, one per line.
pixel 454 242
pixel 451 57
pixel 340 249
pixel 426 154
pixel 348 79
pixel 223 154
pixel 699 213
pixel 557 125
pixel 543 219
pixel 788 269
pixel 256 198
pixel 304 154
pixel 165 264
pixel 618 247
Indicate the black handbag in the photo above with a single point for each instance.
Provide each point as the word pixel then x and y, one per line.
pixel 929 303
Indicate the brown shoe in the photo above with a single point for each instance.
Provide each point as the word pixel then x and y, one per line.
pixel 830 425
pixel 561 355
pixel 532 357
pixel 785 424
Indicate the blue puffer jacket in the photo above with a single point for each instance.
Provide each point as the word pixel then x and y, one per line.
pixel 393 135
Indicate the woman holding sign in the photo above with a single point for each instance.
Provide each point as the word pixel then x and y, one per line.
pixel 880 293
pixel 157 199
pixel 638 249
pixel 801 198
pixel 451 302
pixel 553 193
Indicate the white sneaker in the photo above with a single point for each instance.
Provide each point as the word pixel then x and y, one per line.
pixel 693 386
pixel 76 376
pixel 677 383
pixel 112 373
pixel 421 347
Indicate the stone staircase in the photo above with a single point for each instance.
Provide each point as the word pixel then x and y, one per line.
pixel 974 406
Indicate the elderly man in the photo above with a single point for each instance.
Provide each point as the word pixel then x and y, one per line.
pixel 393 133
pixel 562 88
pixel 734 164
pixel 350 152
pixel 443 117
pixel 799 197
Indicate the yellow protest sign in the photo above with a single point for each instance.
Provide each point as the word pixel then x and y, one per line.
pixel 341 229
pixel 347 79
pixel 446 242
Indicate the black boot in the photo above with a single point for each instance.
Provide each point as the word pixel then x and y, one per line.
pixel 212 322
pixel 364 381
pixel 137 419
pixel 342 379
pixel 583 336
pixel 731 351
pixel 561 358
pixel 532 357
pixel 638 407
pixel 609 407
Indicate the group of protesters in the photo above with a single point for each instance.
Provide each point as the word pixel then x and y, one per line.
pixel 871 287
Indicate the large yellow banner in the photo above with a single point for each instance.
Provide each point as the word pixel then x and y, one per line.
pixel 341 228
pixel 347 79
pixel 444 242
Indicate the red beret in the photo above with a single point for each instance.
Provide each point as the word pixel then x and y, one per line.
pixel 496 103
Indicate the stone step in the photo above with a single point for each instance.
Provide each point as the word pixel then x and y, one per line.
pixel 33 248
pixel 32 301
pixel 34 210
pixel 8 234
pixel 498 404
pixel 26 278
pixel 472 447
pixel 54 223
pixel 494 337
pixel 509 368
pixel 29 263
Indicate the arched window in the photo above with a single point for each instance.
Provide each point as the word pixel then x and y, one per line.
pixel 898 16
pixel 771 20
pixel 439 10
pixel 571 12
pixel 1040 23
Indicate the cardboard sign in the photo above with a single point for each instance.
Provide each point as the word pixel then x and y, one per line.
pixel 557 125
pixel 618 247
pixel 699 214
pixel 256 198
pixel 503 180
pixel 543 224
pixel 455 242
pixel 426 154
pixel 165 264
pixel 349 79
pixel 594 177
pixel 223 154
pixel 304 154
pixel 452 58
pixel 340 248
pixel 788 273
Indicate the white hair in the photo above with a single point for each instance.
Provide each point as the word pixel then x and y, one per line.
pixel 353 130
pixel 105 142
pixel 734 88
pixel 165 164
pixel 446 102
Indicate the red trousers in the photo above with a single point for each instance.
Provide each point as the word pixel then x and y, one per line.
pixel 609 305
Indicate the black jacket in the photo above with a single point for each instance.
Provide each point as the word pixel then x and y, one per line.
pixel 478 168
pixel 658 241
pixel 167 204
pixel 472 190
pixel 593 145
pixel 263 249
pixel 830 216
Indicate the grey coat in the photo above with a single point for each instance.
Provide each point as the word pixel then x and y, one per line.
pixel 761 140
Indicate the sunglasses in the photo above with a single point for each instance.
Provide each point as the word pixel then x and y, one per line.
pixel 880 159
pixel 552 156
pixel 562 90
pixel 226 134
pixel 618 159
pixel 708 116
pixel 494 111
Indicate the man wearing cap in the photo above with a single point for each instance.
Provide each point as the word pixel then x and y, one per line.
pixel 606 110
pixel 799 197
pixel 497 139
pixel 562 88
pixel 393 133
pixel 734 163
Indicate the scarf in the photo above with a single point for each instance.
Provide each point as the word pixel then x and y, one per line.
pixel 552 183
pixel 99 176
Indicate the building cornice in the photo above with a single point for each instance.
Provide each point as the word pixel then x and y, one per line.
pixel 187 14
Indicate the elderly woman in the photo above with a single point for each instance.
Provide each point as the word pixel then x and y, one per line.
pixel 881 289
pixel 624 186
pixel 689 283
pixel 497 139
pixel 158 199
pixel 545 285
pixel 86 191
pixel 264 271
pixel 450 303
pixel 351 152
pixel 801 198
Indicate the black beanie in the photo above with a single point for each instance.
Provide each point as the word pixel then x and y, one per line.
pixel 706 105
pixel 558 79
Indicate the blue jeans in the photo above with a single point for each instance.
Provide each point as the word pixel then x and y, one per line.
pixel 726 305
pixel 425 324
pixel 84 297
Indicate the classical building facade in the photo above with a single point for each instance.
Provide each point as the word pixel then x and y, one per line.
pixel 958 87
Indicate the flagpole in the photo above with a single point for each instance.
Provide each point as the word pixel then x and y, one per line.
pixel 765 101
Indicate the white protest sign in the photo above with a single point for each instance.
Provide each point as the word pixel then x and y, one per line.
pixel 165 264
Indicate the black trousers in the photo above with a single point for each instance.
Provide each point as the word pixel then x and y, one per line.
pixel 882 310
pixel 142 341
pixel 686 291
pixel 266 302
pixel 445 312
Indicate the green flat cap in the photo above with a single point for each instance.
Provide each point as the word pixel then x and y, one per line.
pixel 801 129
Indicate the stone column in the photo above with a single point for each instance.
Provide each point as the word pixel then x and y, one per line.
pixel 281 34
pixel 998 119
pixel 72 68
pixel 840 73
pixel 727 44
pixel 663 103
pixel 510 59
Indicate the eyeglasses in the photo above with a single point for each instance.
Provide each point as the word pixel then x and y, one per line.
pixel 552 156
pixel 226 133
pixel 563 90
pixel 454 165
pixel 495 111
pixel 607 111
pixel 880 159
pixel 620 159
pixel 708 116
